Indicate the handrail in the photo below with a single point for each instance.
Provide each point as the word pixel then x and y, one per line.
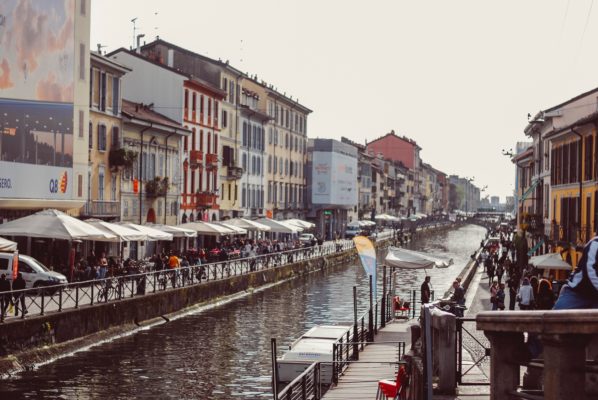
pixel 305 386
pixel 60 297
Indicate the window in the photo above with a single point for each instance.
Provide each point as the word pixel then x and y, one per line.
pixel 286 141
pixel 269 164
pixel 200 140
pixel 194 106
pixel 270 136
pixel 101 137
pixel 275 164
pixel 244 158
pixel 102 91
pixel 115 95
pixel 101 183
pixel 201 107
pixel 253 165
pixel 113 187
pixel 81 123
pixel 244 133
pixel 82 57
pixel 115 140
pixel 243 194
pixel 224 119
pixel 186 109
pixel 80 185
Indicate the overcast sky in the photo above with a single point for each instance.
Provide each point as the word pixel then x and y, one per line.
pixel 458 77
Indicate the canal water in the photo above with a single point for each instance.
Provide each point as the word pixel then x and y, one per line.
pixel 224 352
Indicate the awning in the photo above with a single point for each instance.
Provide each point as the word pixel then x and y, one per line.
pixel 121 233
pixel 236 229
pixel 175 231
pixel 152 234
pixel 550 261
pixel 529 190
pixel 7 245
pixel 247 224
pixel 279 226
pixel 206 228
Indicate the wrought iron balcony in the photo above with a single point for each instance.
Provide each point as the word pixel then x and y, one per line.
pixel 195 159
pixel 211 161
pixel 205 200
pixel 101 209
pixel 234 173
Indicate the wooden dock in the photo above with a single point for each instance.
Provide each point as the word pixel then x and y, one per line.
pixel 376 361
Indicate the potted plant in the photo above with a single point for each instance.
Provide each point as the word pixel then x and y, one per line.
pixel 119 158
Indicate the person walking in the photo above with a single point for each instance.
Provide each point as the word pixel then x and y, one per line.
pixel 4 296
pixel 545 298
pixel 525 297
pixel 493 292
pixel 513 289
pixel 19 284
pixel 500 297
pixel 425 291
pixel 458 297
pixel 490 270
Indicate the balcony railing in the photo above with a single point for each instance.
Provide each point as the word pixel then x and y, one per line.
pixel 234 173
pixel 211 161
pixel 566 233
pixel 101 208
pixel 195 159
pixel 205 200
pixel 566 337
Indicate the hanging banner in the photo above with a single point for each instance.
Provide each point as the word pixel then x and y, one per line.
pixel 367 255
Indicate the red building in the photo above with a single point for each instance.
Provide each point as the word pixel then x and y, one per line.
pixel 396 148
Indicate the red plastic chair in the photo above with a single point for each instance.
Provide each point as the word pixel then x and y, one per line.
pixel 401 309
pixel 393 390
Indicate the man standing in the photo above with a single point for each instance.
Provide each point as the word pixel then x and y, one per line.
pixel 425 291
pixel 4 296
pixel 19 284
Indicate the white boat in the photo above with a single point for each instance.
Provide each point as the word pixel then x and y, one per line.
pixel 314 345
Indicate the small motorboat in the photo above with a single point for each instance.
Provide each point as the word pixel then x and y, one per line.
pixel 314 345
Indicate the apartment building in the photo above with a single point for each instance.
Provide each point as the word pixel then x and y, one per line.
pixel 107 157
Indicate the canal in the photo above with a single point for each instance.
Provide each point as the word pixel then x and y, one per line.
pixel 223 352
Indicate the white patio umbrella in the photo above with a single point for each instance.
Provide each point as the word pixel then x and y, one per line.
pixel 550 261
pixel 121 233
pixel 175 231
pixel 151 233
pixel 238 230
pixel 382 217
pixel 279 226
pixel 300 223
pixel 206 228
pixel 409 259
pixel 366 222
pixel 247 224
pixel 7 245
pixel 53 224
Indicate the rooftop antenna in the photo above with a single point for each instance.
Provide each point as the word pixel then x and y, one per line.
pixel 100 47
pixel 156 27
pixel 134 20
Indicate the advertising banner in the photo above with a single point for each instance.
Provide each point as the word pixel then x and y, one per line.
pixel 367 256
pixel 37 73
pixel 334 179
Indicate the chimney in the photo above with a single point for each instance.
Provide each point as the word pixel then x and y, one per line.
pixel 170 62
pixel 139 37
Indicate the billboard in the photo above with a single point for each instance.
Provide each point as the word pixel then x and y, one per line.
pixel 37 75
pixel 334 179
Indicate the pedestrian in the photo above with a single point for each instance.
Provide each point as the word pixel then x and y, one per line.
pixel 500 297
pixel 490 270
pixel 493 292
pixel 513 289
pixel 425 291
pixel 19 284
pixel 103 266
pixel 4 296
pixel 545 297
pixel 525 297
pixel 458 297
pixel 500 270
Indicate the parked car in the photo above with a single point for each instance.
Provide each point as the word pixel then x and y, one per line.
pixel 34 272
pixel 352 231
pixel 307 238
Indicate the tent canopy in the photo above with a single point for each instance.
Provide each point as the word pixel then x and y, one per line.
pixel 7 245
pixel 409 259
pixel 247 224
pixel 237 230
pixel 152 234
pixel 121 233
pixel 279 226
pixel 550 261
pixel 300 223
pixel 175 231
pixel 53 224
pixel 206 228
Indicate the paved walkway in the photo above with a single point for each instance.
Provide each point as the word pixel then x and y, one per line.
pixel 376 361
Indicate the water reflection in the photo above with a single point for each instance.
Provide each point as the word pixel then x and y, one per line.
pixel 224 352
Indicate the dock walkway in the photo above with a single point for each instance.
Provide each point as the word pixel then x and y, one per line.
pixel 376 361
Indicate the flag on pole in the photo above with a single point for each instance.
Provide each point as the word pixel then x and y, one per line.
pixel 367 256
pixel 15 265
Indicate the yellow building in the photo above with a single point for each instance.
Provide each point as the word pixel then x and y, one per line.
pixel 105 138
pixel 150 192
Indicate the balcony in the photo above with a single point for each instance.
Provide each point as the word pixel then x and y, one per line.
pixel 533 223
pixel 211 161
pixel 234 173
pixel 101 209
pixel 158 187
pixel 205 200
pixel 195 159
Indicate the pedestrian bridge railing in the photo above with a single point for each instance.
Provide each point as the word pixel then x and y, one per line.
pixel 57 298
pixel 567 362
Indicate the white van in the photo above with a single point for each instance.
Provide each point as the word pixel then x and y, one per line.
pixel 34 272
